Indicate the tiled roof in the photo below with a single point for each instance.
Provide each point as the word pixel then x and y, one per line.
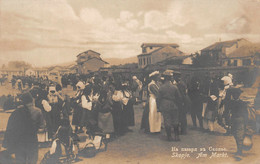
pixel 159 45
pixel 90 58
pixel 87 52
pixel 144 54
pixel 245 51
pixel 220 45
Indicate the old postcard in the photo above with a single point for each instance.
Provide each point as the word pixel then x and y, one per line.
pixel 129 81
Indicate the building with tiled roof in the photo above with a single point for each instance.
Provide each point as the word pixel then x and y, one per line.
pixel 156 52
pixel 244 56
pixel 89 61
pixel 221 50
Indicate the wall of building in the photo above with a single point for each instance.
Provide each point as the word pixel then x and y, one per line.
pixel 92 54
pixel 85 56
pixel 144 60
pixel 149 49
pixel 238 62
pixel 91 65
pixel 239 44
pixel 229 50
pixel 158 56
pixel 165 53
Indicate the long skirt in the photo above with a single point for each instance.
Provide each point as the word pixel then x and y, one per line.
pixel 154 116
pixel 47 117
pixel 145 118
pixel 90 121
pixel 55 117
pixel 105 122
pixel 118 119
pixel 77 114
pixel 128 114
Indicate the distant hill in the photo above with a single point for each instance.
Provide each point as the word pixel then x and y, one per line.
pixel 118 61
pixel 111 61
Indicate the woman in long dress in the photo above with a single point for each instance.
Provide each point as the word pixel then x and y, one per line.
pixel 117 112
pixel 77 108
pixel 128 106
pixel 154 116
pixel 105 119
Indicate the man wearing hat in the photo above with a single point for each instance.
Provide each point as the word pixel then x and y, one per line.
pixel 239 113
pixel 168 102
pixel 21 131
pixel 185 102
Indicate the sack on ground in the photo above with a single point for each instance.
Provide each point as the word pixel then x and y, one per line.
pixel 89 151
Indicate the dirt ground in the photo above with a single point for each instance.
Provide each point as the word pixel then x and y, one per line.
pixel 139 148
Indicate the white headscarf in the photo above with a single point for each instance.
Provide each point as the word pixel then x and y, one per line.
pixel 154 73
pixel 81 85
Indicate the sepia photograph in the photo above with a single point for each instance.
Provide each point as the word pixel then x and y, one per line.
pixel 129 81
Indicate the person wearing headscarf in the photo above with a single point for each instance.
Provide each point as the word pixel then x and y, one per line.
pixel 88 118
pixel 117 112
pixel 19 84
pixel 55 100
pixel 105 118
pixel 128 105
pixel 21 132
pixel 154 115
pixel 41 102
pixel 77 108
pixel 137 88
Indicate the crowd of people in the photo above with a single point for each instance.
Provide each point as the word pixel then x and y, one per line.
pixel 104 104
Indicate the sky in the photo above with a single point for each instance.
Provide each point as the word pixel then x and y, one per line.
pixel 48 32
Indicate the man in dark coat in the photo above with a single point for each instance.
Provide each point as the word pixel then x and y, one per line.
pixel 239 113
pixel 196 102
pixel 184 103
pixel 21 132
pixel 168 102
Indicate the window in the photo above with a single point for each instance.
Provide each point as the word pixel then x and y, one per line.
pixel 140 61
pixel 257 62
pixel 229 63
pixel 246 62
pixel 144 60
pixel 147 60
pixel 235 62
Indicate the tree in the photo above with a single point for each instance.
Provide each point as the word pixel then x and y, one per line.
pixel 199 60
pixel 19 65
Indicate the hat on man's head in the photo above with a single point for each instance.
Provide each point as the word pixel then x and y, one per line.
pixel 26 98
pixel 134 77
pixel 230 75
pixel 52 88
pixel 154 73
pixel 168 72
pixel 176 73
pixel 81 85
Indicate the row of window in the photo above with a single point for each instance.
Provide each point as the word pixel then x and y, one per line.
pixel 245 62
pixel 145 61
